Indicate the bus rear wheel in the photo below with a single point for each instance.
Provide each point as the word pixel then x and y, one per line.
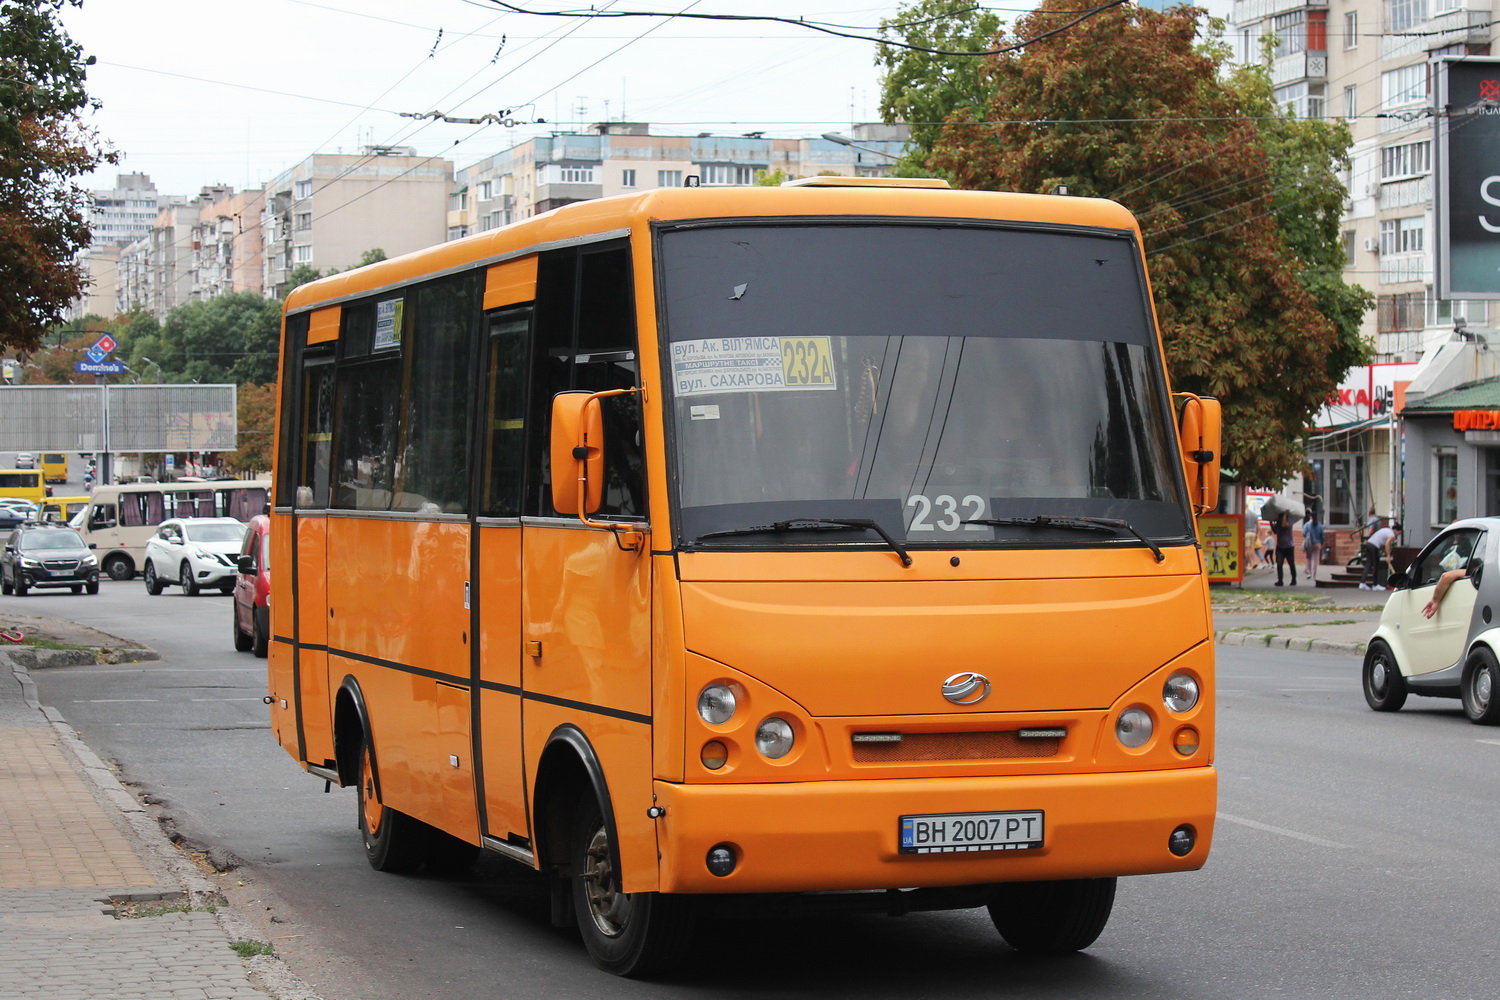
pixel 119 568
pixel 627 933
pixel 393 840
pixel 1052 918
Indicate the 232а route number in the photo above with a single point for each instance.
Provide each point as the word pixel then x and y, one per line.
pixel 806 361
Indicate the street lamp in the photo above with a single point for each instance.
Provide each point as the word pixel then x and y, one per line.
pixel 844 141
pixel 148 361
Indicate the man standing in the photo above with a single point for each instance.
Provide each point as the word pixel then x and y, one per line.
pixel 1377 553
pixel 1286 551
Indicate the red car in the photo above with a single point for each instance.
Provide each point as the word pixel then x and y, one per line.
pixel 252 588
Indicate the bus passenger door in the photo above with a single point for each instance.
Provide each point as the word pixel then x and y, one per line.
pixel 495 573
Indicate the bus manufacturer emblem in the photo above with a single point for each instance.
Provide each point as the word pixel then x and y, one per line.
pixel 966 688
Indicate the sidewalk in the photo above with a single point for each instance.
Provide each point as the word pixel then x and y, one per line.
pixel 1337 620
pixel 95 902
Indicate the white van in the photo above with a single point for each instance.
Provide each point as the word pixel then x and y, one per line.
pixel 119 519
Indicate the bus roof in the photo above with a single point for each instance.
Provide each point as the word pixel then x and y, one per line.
pixel 855 197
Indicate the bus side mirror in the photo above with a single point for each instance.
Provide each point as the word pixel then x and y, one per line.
pixel 577 453
pixel 1200 433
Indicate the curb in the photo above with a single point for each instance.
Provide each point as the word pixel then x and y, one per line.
pixel 267 971
pixel 1303 644
pixel 34 658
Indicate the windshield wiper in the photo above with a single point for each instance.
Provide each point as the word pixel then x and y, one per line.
pixel 816 524
pixel 1072 521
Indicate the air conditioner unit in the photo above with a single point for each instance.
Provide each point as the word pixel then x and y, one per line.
pixel 1372 244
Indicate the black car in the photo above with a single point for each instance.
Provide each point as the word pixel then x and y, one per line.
pixel 47 555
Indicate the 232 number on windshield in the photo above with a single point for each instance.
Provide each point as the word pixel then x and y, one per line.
pixel 807 362
pixel 945 513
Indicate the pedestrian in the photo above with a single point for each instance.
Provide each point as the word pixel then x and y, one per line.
pixel 1286 550
pixel 1377 552
pixel 1312 545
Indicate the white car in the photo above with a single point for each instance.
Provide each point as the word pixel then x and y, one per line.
pixel 193 552
pixel 25 460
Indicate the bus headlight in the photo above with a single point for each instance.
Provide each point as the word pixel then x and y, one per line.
pixel 716 704
pixel 1180 693
pixel 1133 727
pixel 774 738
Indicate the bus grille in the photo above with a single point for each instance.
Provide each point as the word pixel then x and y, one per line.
pixel 952 746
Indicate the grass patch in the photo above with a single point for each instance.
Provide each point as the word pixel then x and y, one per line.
pixel 133 911
pixel 249 949
pixel 41 644
pixel 1290 625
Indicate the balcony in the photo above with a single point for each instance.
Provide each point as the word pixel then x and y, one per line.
pixel 1255 10
pixel 1299 66
pixel 1400 268
pixel 1452 27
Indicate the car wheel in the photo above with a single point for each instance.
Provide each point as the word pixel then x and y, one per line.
pixel 92 587
pixel 185 577
pixel 119 567
pixel 1052 918
pixel 260 639
pixel 226 588
pixel 77 588
pixel 242 642
pixel 21 585
pixel 5 587
pixel 1385 688
pixel 626 933
pixel 1481 687
pixel 394 842
pixel 154 584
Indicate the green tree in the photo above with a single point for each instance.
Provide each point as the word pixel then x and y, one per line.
pixel 922 88
pixel 44 148
pixel 257 424
pixel 1235 213
pixel 374 255
pixel 770 178
pixel 301 275
pixel 230 338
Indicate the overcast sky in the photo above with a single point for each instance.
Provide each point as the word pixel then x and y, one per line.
pixel 200 92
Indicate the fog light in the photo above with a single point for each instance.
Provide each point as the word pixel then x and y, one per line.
pixel 774 738
pixel 716 704
pixel 721 860
pixel 1180 693
pixel 1182 841
pixel 1185 740
pixel 1133 728
pixel 714 755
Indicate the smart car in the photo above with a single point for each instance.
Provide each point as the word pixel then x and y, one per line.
pixel 194 552
pixel 252 588
pixel 47 555
pixel 1453 653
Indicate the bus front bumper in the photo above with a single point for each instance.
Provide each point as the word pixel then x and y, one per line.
pixel 844 835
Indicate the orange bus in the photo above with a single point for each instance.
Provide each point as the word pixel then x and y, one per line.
pixel 707 545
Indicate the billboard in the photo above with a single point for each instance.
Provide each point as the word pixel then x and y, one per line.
pixel 1466 142
pixel 99 418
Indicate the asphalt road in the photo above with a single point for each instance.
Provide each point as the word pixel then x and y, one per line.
pixel 1354 857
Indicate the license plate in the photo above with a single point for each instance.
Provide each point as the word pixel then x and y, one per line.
pixel 955 833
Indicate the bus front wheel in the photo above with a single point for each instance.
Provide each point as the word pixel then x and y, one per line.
pixel 1052 918
pixel 393 840
pixel 626 933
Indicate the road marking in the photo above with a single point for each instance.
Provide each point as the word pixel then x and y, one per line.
pixel 1267 828
pixel 1493 743
pixel 217 700
pixel 118 701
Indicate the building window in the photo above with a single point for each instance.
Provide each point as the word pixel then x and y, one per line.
pixel 458 201
pixel 1351 102
pixel 1410 159
pixel 1407 85
pixel 1349 241
pixel 669 178
pixel 1407 14
pixel 304 189
pixel 627 178
pixel 457 232
pixel 1443 312
pixel 1301 31
pixel 303 253
pixel 727 175
pixel 486 190
pixel 1406 235
pixel 1400 313
pixel 1303 100
pixel 1445 479
pixel 304 220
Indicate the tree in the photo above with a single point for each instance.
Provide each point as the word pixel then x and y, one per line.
pixel 229 338
pixel 770 178
pixel 921 88
pixel 257 422
pixel 1129 105
pixel 374 255
pixel 44 146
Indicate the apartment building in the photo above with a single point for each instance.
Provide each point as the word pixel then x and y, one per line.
pixel 1373 64
pixel 118 217
pixel 329 210
pixel 159 272
pixel 614 158
pixel 227 246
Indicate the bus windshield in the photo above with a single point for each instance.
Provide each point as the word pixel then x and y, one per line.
pixel 934 379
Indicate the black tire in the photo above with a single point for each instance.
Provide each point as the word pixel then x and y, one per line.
pixel 5 587
pixel 1481 687
pixel 21 587
pixel 185 578
pixel 77 588
pixel 242 642
pixel 119 568
pixel 394 842
pixel 630 934
pixel 92 587
pixel 1052 918
pixel 260 641
pixel 1385 688
pixel 227 587
pixel 154 584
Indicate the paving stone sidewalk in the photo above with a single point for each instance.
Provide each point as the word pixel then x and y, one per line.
pixel 95 902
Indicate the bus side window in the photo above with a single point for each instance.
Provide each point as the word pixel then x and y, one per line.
pixel 102 516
